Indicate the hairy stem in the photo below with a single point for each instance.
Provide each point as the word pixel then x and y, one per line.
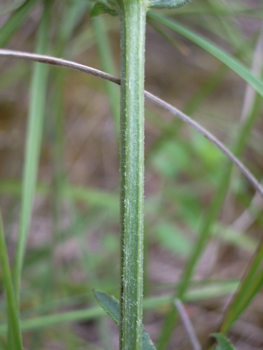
pixel 133 19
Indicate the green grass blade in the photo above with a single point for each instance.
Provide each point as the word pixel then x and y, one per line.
pixel 198 99
pixel 11 300
pixel 15 21
pixel 164 4
pixel 255 287
pixel 57 319
pixel 196 8
pixel 179 46
pixel 211 48
pixel 71 13
pixel 214 81
pixel 247 290
pixel 108 66
pixel 33 144
pixel 206 226
pixel 205 230
pixel 205 292
pixel 91 196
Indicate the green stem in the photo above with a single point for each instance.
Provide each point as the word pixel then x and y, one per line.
pixel 133 22
pixel 13 318
pixel 33 144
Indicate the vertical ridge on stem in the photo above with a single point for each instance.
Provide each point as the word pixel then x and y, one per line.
pixel 133 22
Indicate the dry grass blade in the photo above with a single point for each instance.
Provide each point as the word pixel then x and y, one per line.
pixel 54 61
pixel 11 300
pixel 188 325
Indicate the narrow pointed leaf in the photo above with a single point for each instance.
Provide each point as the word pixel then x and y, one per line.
pixel 109 304
pixel 102 7
pixel 112 308
pixel 164 4
pixel 11 301
pixel 213 49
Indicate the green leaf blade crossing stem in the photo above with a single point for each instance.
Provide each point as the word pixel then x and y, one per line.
pixel 165 4
pixel 133 23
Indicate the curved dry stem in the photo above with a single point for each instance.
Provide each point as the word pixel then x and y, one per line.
pixel 188 325
pixel 243 169
pixel 60 62
pixel 176 112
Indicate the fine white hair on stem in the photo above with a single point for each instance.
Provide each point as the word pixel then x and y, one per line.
pixel 176 112
pixel 187 324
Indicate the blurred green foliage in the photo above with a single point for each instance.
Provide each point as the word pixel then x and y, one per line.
pixel 73 242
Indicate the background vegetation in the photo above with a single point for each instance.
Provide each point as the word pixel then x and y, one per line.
pixel 69 121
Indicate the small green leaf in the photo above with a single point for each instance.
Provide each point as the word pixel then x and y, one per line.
pixel 102 7
pixel 110 305
pixel 223 342
pixel 164 4
pixel 112 308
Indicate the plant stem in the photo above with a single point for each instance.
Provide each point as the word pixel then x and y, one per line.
pixel 13 318
pixel 176 112
pixel 133 22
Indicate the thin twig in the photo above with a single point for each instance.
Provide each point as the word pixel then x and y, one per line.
pixel 176 112
pixel 55 61
pixel 187 324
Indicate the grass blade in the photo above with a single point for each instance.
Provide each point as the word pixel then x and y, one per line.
pixel 11 300
pixel 33 144
pixel 211 48
pixel 15 21
pixel 195 294
pixel 108 66
pixel 249 286
pixel 206 226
